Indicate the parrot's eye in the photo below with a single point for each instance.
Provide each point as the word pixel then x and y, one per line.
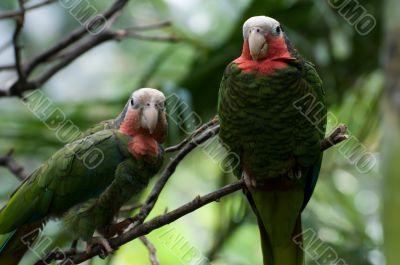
pixel 132 102
pixel 278 30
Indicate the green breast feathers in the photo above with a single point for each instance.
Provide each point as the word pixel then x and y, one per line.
pixel 260 120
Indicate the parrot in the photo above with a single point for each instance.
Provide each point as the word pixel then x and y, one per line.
pixel 263 102
pixel 86 182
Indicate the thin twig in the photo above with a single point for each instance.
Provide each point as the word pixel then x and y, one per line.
pixel 152 250
pixel 337 136
pixel 157 25
pixel 72 38
pixel 19 23
pixel 10 67
pixel 7 161
pixel 18 13
pixel 74 54
pixel 66 51
pixel 123 33
pixel 201 129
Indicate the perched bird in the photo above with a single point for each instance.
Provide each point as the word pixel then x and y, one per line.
pixel 278 144
pixel 88 180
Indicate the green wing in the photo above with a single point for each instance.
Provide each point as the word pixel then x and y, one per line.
pixel 104 125
pixel 228 131
pixel 79 171
pixel 315 83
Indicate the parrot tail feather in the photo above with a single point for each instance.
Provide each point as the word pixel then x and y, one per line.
pixel 280 228
pixel 15 244
pixel 290 254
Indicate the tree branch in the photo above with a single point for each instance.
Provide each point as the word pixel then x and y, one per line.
pixel 152 250
pixel 337 136
pixel 201 129
pixel 7 161
pixel 70 48
pixel 19 23
pixel 132 34
pixel 71 38
pixel 18 13
pixel 162 220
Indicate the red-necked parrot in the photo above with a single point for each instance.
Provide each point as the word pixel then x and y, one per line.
pixel 88 180
pixel 277 141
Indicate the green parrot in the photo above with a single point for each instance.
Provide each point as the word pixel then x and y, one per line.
pixel 266 119
pixel 87 181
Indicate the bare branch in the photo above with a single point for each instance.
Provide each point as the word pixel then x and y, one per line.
pixel 7 161
pixel 19 23
pixel 18 13
pixel 132 34
pixel 162 220
pixel 338 135
pixel 201 129
pixel 157 25
pixel 74 54
pixel 7 67
pixel 70 48
pixel 71 38
pixel 152 250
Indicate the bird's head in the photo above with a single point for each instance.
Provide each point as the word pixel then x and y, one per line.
pixel 145 113
pixel 264 38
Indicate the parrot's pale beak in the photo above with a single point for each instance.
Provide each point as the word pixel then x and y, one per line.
pixel 149 118
pixel 258 45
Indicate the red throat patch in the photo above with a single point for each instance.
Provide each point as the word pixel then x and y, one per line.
pixel 277 54
pixel 143 143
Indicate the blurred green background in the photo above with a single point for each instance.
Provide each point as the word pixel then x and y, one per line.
pixel 346 211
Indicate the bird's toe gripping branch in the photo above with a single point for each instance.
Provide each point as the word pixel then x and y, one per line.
pixel 103 242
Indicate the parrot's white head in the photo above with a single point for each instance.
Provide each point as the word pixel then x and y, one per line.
pixel 260 32
pixel 144 114
pixel 150 105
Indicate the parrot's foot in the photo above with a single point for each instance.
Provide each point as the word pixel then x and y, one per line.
pixel 295 173
pixel 251 184
pixel 106 248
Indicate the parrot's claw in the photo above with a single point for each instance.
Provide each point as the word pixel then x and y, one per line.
pixel 107 249
pixel 298 174
pixel 250 183
pixel 290 174
pixel 294 173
